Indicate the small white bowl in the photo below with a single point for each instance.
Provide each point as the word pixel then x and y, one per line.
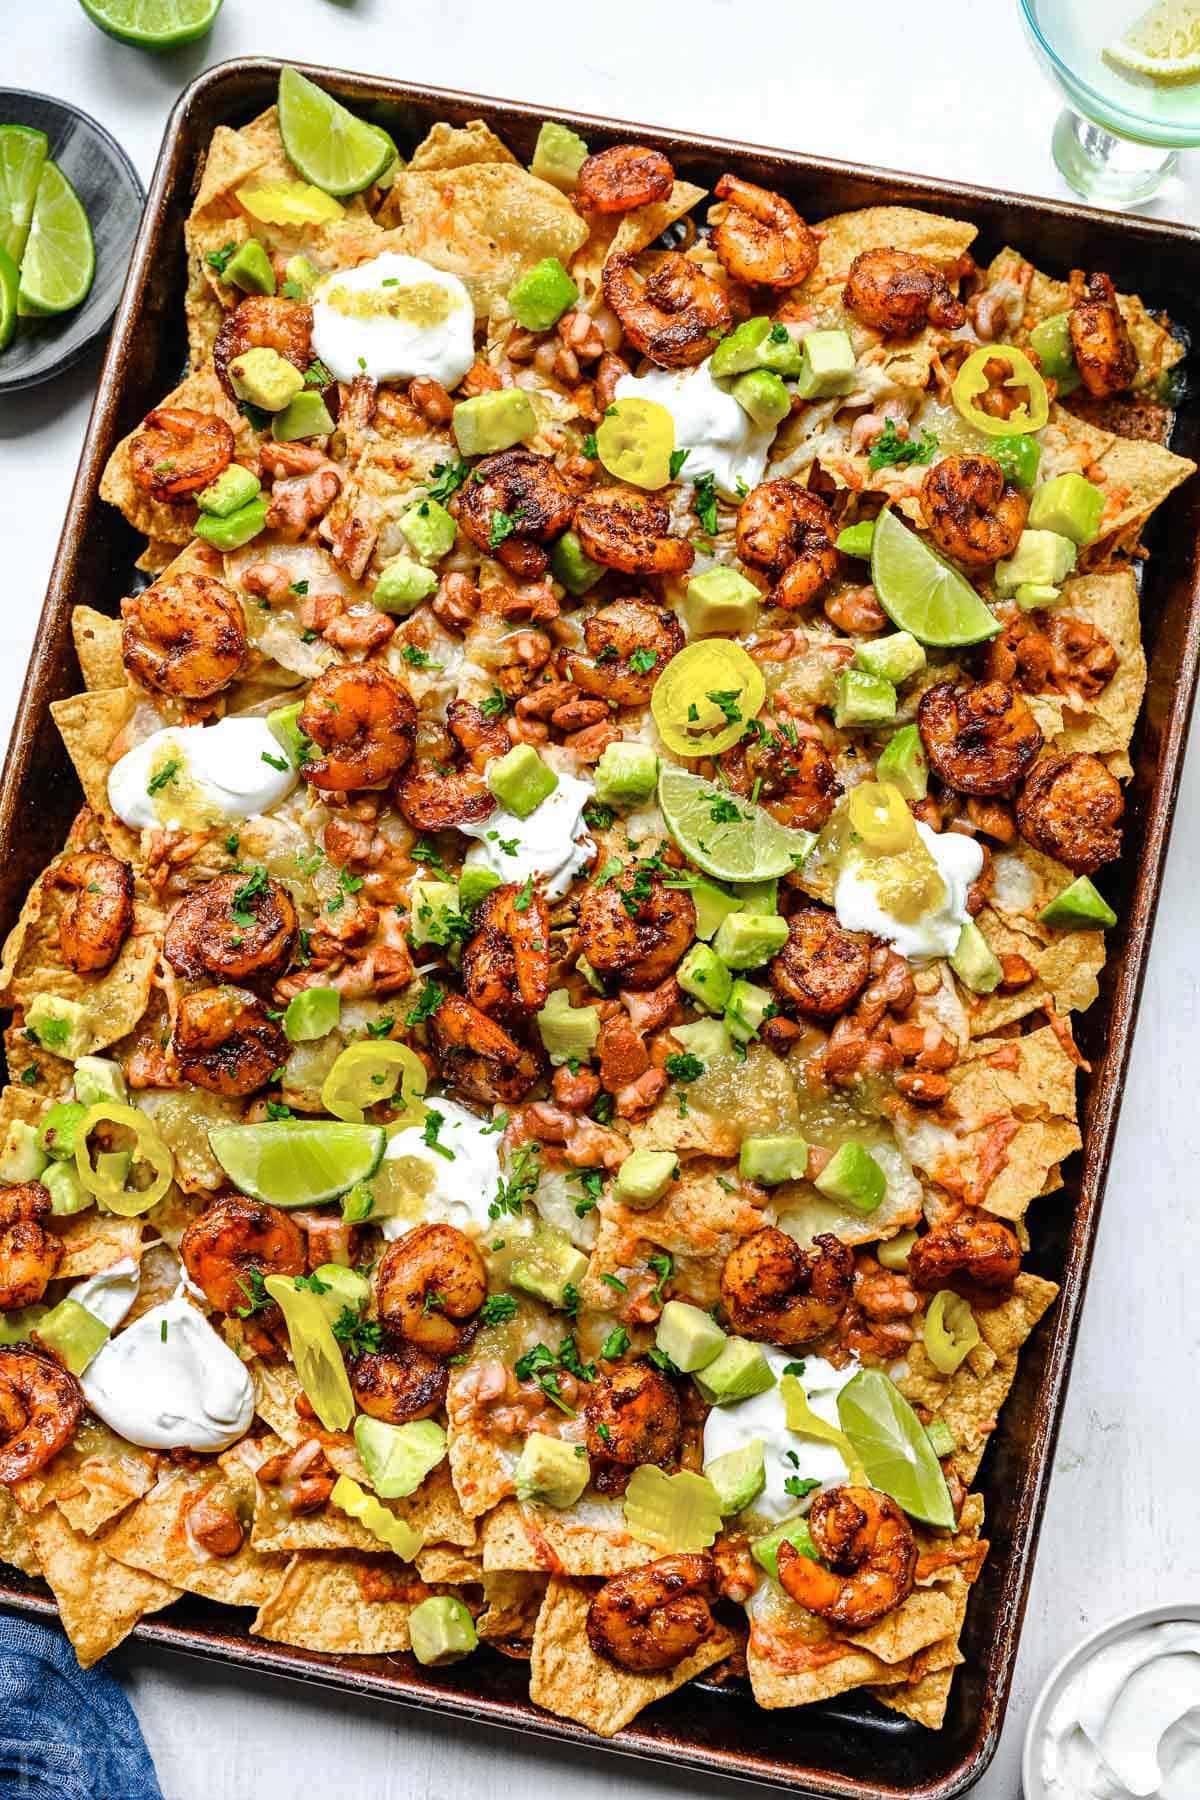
pixel 1031 1779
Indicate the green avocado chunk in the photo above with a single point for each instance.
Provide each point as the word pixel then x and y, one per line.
pixel 1069 505
pixel 402 585
pixel 306 416
pixel 626 774
pixel 99 1078
pixel 690 1337
pixel 397 1458
pixel 756 344
pixel 644 1177
pixel 770 1160
pixel 738 1477
pixel 1080 907
pixel 284 726
pixel 60 1025
pixel 749 1006
pixel 862 699
pixel 233 487
pixel 747 940
pixel 1019 456
pixel 21 1155
pixel 493 421
pixel 894 657
pixel 550 1266
pixel 60 1129
pixel 1050 341
pixel 854 1177
pixel 542 295
pixel 903 763
pixel 567 1031
pixel 712 905
pixel 442 1630
pixel 570 565
pixel 761 394
pixel 474 884
pixel 558 156
pixel 704 976
pixel 430 529
pixel 265 378
pixel 765 1550
pixel 237 529
pixel 67 1193
pixel 720 601
pixel 249 268
pixel 72 1334
pixel 1045 557
pixel 738 1373
pixel 974 961
pixel 856 540
pixel 827 365
pixel 520 780
pixel 551 1471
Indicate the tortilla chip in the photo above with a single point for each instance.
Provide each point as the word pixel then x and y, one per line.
pixel 154 1538
pixel 99 1599
pixel 16 1548
pixel 804 1213
pixel 342 1602
pixel 450 146
pixel 837 1668
pixel 154 518
pixel 156 557
pixel 939 241
pixel 1109 601
pixel 88 724
pixel 183 1117
pixel 696 1133
pixel 513 1600
pixel 927 1615
pixel 98 646
pixel 923 1700
pixel 587 1539
pixel 443 1563
pixel 480 1468
pixel 1065 974
pixel 92 1242
pixel 93 1481
pixel 1136 476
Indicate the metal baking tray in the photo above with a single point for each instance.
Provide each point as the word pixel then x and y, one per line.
pixel 850 1749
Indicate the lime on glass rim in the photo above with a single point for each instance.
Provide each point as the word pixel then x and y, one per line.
pixel 893 1447
pixel 331 148
pixel 921 593
pixel 60 258
pixel 153 24
pixel 729 838
pixel 297 1162
pixel 22 153
pixel 10 282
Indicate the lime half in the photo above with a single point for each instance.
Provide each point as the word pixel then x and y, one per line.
pixel 1162 45
pixel 59 260
pixel 9 283
pixel 297 1162
pixel 921 593
pixel 22 153
pixel 329 146
pixel 726 837
pixel 893 1447
pixel 153 24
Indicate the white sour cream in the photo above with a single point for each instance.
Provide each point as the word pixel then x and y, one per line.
pixel 220 772
pixel 170 1383
pixel 1128 1722
pixel 721 440
pixel 391 317
pixel 763 1417
pixel 463 1188
pixel 552 844
pixel 959 860
pixel 109 1295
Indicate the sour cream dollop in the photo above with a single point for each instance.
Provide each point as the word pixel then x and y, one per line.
pixel 109 1295
pixel 1128 1722
pixel 763 1417
pixel 934 933
pixel 720 438
pixel 552 844
pixel 463 1184
pixel 188 776
pixel 394 316
pixel 169 1382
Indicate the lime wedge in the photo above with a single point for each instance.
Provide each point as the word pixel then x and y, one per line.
pixel 895 1452
pixel 59 260
pixel 153 24
pixel 1162 45
pixel 297 1162
pixel 726 837
pixel 921 593
pixel 22 153
pixel 329 146
pixel 9 283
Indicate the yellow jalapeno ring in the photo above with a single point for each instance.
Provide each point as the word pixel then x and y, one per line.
pixel 972 380
pixel 365 1075
pixel 950 1332
pixel 634 441
pixel 107 1177
pixel 879 816
pixel 706 697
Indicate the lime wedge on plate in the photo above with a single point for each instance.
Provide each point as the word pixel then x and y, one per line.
pixel 892 1445
pixel 921 593
pixel 22 153
pixel 9 284
pixel 59 260
pixel 153 24
pixel 297 1162
pixel 329 146
pixel 726 837
pixel 1162 45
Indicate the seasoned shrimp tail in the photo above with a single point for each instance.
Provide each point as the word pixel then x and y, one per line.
pixel 822 968
pixel 185 636
pixel 97 918
pixel 785 529
pixel 478 1058
pixel 871 1554
pixel 1104 351
pixel 762 239
pixel 896 293
pixel 653 1618
pixel 41 1403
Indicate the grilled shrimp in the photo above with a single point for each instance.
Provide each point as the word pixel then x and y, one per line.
pixel 179 451
pixel 822 968
pixel 654 1617
pixel 626 629
pixel 971 1250
pixel 523 492
pixel 365 724
pixel 226 1041
pixel 625 176
pixel 506 965
pixel 626 530
pixel 478 1058
pixel 430 1285
pixel 872 1555
pixel 1104 351
pixel 263 322
pixel 980 736
pixel 896 293
pixel 29 1254
pixel 433 796
pixel 793 776
pixel 636 928
pixel 184 636
pixel 231 1241
pixel 781 1294
pixel 1071 807
pixel 633 1416
pixel 399 1383
pixel 207 934
pixel 674 316
pixel 95 922
pixel 971 512
pixel 1052 653
pixel 762 239
pixel 789 532
pixel 41 1403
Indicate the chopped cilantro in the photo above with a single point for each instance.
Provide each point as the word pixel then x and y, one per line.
pixel 642 661
pixel 503 525
pixel 520 1185
pixel 221 259
pixel 434 1121
pixel 277 762
pixel 598 815
pixel 727 699
pixel 724 811
pixel 431 997
pixel 497 1309
pixel 684 1067
pixel 254 1288
pixel 356 1335
pixel 794 1368
pixel 615 1344
pixel 317 375
pixel 678 458
pixel 590 447
pixel 524 897
pixel 277 1110
pixel 381 1028
pixel 495 706
pixel 891 449
pixel 704 502
pixel 614 1281
pixel 240 910
pixel 447 479
pixel 797 1485
pixel 168 772
pixel 662 1264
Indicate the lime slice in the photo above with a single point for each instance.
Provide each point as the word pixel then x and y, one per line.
pixel 726 837
pixel 59 260
pixel 22 153
pixel 297 1162
pixel 9 283
pixel 153 24
pixel 329 146
pixel 1162 45
pixel 921 593
pixel 896 1454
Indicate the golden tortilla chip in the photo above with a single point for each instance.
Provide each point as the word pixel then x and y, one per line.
pixel 88 724
pixel 16 1548
pixel 587 1539
pixel 629 232
pixel 98 646
pixel 697 1133
pixel 166 524
pixel 343 1603
pixel 450 146
pixel 443 1563
pixel 92 1481
pixel 513 1600
pixel 1136 476
pixel 1158 350
pixel 156 557
pixel 939 241
pixel 183 1117
pixel 834 1667
pixel 1065 974
pixel 480 1468
pixel 99 1599
pixel 923 1700
pixel 1109 601
pixel 93 1241
pixel 154 1538
pixel 926 1616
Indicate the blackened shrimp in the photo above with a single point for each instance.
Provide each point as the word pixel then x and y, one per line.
pixel 268 323
pixel 623 529
pixel 792 776
pixel 29 1253
pixel 233 927
pixel 629 644
pixel 95 921
pixel 674 316
pixel 226 1041
pixel 178 451
pixel 430 1286
pixel 399 1383
pixel 971 1249
pixel 896 293
pixel 234 1241
pixel 435 792
pixel 515 502
pixel 655 1617
pixel 1104 351
pixel 363 722
pixel 777 1292
pixel 633 1417
pixel 185 636
pixel 871 1553
pixel 1071 807
pixel 478 1058
pixel 41 1403
pixel 822 968
pixel 980 736
pixel 762 239
pixel 506 964
pixel 623 177
pixel 971 512
pixel 635 928
pixel 789 532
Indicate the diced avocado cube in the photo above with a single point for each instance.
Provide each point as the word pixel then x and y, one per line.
pixel 60 1025
pixel 770 1160
pixel 430 529
pixel 442 1630
pixel 720 601
pixel 738 349
pixel 594 981
pixel 705 977
pixel 233 487
pixel 857 540
pixel 520 780
pixel 71 1334
pixel 1019 456
pixel 853 1177
pixel 705 1038
pixel 758 897
pixel 892 1253
pixel 1080 907
pixel 765 1550
pixel 644 1177
pixel 284 726
pixel 974 961
pixel 826 365
pixel 894 657
pixel 99 1078
pixel 307 416
pixel 397 1458
pixel 567 1031
pixel 549 1267
pixel 238 529
pixel 265 378
pixel 21 1156
pixel 67 1193
pixel 747 940
pixel 1045 557
pixel 433 907
pixel 301 274
pixel 312 1014
pixel 249 268
pixel 1051 343
pixel 862 699
pixel 572 567
pixel 942 1440
pixel 1068 504
pixel 341 1287
pixel 551 1470
pixel 1034 594
pixel 493 421
pixel 739 1372
pixel 781 352
pixel 558 156
pixel 358 1204
pixel 59 1129
pixel 903 763
pixel 738 1477
pixel 690 1337
pixel 747 1009
pixel 712 905
pixel 626 774
pixel 761 394
pixel 542 295
pixel 402 585
pixel 475 882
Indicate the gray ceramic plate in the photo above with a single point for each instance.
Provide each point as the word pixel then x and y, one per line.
pixel 107 184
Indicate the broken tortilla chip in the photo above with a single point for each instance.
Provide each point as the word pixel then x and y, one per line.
pixel 588 1538
pixel 450 146
pixel 98 646
pixel 155 1537
pixel 343 1603
pixel 100 1600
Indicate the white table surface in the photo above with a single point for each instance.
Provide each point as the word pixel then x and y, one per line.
pixel 936 88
